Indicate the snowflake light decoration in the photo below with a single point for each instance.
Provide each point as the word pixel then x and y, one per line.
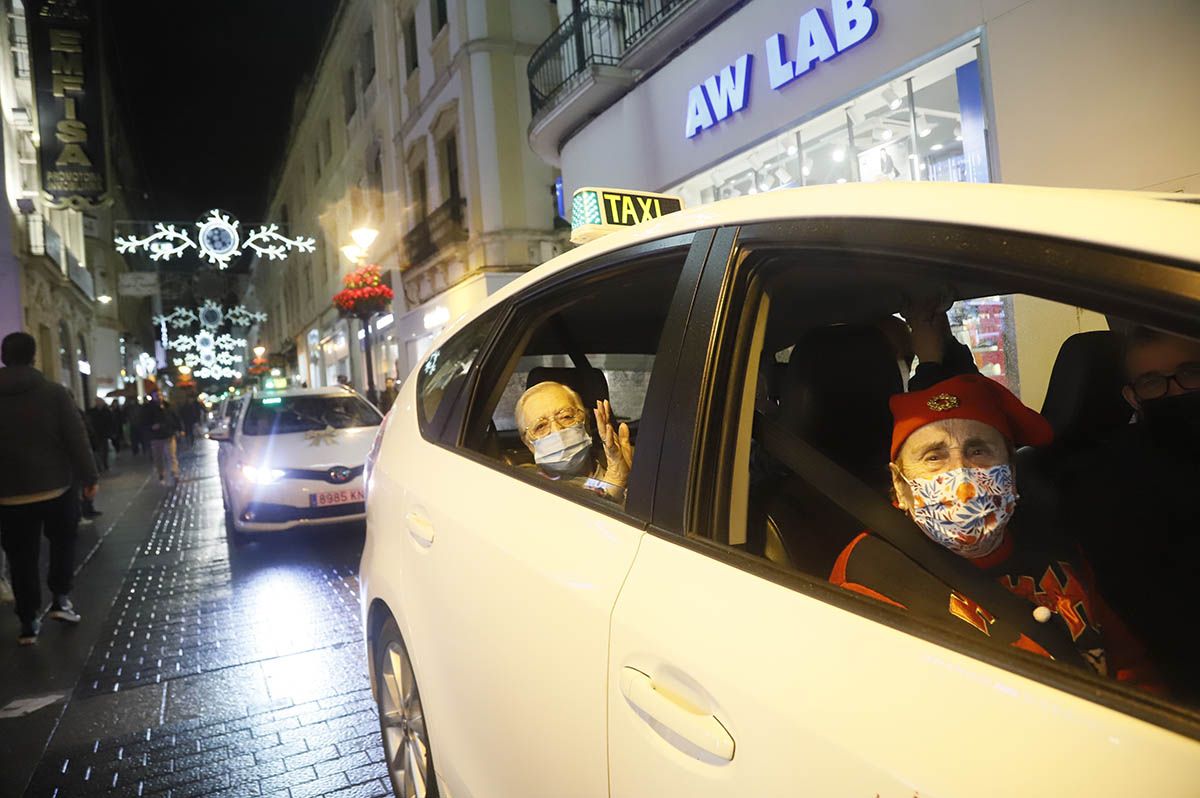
pixel 218 240
pixel 209 353
pixel 179 317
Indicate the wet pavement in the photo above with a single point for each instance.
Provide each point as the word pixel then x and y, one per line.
pixel 201 668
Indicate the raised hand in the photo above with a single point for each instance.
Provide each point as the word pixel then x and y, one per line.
pixel 617 448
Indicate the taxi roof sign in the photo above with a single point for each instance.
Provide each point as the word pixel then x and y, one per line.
pixel 596 211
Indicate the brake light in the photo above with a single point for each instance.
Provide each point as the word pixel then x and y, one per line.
pixel 373 454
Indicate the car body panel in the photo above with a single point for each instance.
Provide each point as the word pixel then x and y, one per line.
pixel 822 701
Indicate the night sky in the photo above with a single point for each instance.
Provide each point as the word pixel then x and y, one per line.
pixel 206 90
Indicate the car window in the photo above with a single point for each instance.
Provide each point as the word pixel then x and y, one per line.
pixel 278 415
pixel 817 349
pixel 592 339
pixel 447 367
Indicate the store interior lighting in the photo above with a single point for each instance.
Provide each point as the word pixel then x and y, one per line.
pixel 792 150
pixel 958 132
pixel 839 154
pixel 923 126
pixel 806 169
pixel 891 98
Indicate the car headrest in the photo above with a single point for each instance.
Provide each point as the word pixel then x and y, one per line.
pixel 835 395
pixel 589 383
pixel 1083 398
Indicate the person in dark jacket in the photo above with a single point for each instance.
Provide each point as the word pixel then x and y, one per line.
pixel 100 419
pixel 189 415
pixel 44 452
pixel 161 427
pixel 118 426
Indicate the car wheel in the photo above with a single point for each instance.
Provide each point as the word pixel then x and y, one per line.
pixel 402 718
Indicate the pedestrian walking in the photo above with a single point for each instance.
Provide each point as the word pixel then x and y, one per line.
pixel 189 414
pixel 100 419
pixel 161 427
pixel 118 425
pixel 44 454
pixel 137 433
pixel 388 397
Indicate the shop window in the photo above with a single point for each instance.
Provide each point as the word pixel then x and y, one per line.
pixel 927 125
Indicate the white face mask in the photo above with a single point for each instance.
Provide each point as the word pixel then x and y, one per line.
pixel 565 452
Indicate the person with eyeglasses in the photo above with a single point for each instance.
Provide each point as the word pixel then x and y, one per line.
pixel 554 425
pixel 1133 504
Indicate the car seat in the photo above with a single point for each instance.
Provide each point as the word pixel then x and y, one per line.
pixel 1083 398
pixel 1084 407
pixel 834 395
pixel 590 383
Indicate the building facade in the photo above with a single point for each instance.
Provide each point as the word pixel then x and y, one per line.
pixel 709 100
pixel 413 125
pixel 59 274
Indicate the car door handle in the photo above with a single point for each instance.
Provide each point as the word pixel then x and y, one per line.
pixel 700 729
pixel 419 527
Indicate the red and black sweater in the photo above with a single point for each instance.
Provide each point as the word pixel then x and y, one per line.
pixel 1049 575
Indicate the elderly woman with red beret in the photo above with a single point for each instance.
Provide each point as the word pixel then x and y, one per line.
pixel 952 473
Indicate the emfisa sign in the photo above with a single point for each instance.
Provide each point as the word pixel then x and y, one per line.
pixel 596 211
pixel 728 91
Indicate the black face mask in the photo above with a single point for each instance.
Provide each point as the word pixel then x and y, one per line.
pixel 1174 421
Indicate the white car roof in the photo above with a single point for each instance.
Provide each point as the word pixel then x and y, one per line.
pixel 1166 225
pixel 327 390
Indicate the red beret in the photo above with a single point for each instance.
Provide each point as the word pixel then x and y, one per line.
pixel 968 396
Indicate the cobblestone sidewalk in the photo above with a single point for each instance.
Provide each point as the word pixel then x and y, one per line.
pixel 252 654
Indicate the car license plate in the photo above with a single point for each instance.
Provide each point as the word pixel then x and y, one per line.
pixel 331 497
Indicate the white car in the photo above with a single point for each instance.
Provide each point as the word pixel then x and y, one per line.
pixel 295 458
pixel 530 638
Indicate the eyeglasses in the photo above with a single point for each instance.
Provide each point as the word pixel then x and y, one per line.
pixel 566 417
pixel 1155 386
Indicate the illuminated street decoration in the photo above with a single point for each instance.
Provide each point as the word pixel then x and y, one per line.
pixel 218 240
pixel 209 353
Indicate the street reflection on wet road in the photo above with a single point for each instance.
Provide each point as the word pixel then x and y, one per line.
pixel 224 669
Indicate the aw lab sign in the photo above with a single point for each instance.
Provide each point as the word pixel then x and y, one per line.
pixel 728 91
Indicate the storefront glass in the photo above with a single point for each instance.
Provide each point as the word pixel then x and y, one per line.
pixel 926 125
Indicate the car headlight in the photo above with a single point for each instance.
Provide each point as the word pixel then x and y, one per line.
pixel 260 475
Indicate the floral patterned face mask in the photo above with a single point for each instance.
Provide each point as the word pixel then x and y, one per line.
pixel 966 509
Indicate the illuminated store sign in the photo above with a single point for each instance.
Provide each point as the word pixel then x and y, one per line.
pixel 66 76
pixel 727 92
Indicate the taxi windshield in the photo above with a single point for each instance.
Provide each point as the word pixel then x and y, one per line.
pixel 278 415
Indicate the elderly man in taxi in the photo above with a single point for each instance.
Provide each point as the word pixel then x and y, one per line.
pixel 952 473
pixel 553 424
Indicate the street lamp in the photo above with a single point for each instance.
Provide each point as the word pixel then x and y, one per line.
pixel 259 351
pixel 363 238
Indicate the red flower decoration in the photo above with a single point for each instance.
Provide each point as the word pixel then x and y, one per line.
pixel 364 293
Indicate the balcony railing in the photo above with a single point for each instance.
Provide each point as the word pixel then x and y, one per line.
pixel 443 226
pixel 641 18
pixel 593 35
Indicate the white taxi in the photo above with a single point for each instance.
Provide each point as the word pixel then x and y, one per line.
pixel 529 637
pixel 295 458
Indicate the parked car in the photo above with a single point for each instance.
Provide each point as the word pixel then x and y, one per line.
pixel 295 458
pixel 530 637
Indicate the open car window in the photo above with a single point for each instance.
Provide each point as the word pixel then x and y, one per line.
pixel 817 344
